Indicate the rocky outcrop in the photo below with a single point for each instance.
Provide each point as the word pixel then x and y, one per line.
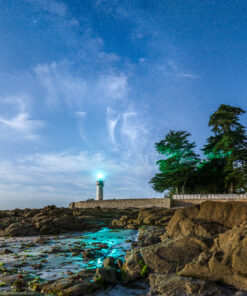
pixel 53 220
pixel 173 285
pixel 152 216
pixel 225 262
pixel 85 282
pixel 207 219
pixel 207 242
pixel 49 220
pixel 200 250
pixel 78 284
pixel 197 250
pixel 131 269
pixel 171 256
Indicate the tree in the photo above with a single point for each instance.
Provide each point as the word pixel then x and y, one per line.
pixel 229 145
pixel 179 163
pixel 208 177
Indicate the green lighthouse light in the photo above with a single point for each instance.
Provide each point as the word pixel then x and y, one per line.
pixel 100 177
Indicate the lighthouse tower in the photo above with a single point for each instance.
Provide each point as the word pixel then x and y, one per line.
pixel 100 186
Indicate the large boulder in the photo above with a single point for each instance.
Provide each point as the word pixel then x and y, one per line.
pixel 173 285
pixel 207 219
pixel 225 262
pixel 131 269
pixel 20 228
pixel 170 256
pixel 75 285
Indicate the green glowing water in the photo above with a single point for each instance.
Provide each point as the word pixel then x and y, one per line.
pixel 40 261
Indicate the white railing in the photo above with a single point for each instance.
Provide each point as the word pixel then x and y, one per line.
pixel 210 196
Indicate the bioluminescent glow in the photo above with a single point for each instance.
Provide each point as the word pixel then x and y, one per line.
pixel 112 243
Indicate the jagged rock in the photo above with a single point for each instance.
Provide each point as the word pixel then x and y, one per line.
pixel 52 220
pixel 75 285
pixel 170 256
pixel 152 216
pixel 17 229
pixel 107 275
pixel 173 285
pixel 225 262
pixel 150 235
pixel 131 268
pixel 207 219
pixel 110 262
pixel 41 241
pixel 91 254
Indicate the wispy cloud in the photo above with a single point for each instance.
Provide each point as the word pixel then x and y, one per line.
pixel 81 114
pixel 20 122
pixel 188 75
pixel 134 131
pixel 63 86
pixel 113 86
pixel 63 172
pixel 112 120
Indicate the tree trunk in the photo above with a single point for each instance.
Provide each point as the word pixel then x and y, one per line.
pixel 183 187
pixel 230 188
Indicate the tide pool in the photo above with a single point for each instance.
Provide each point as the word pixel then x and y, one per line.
pixel 53 257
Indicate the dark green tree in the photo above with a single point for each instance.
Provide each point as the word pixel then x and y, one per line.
pixel 208 177
pixel 228 145
pixel 179 163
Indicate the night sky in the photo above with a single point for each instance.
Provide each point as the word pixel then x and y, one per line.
pixel 88 87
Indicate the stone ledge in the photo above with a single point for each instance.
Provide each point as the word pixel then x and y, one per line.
pixel 124 203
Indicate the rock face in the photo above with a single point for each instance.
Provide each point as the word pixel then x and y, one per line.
pixel 173 285
pixel 225 262
pixel 49 220
pixel 202 251
pixel 152 216
pixel 76 285
pixel 170 256
pixel 197 250
pixel 132 267
pixel 53 220
pixel 207 241
pixel 208 219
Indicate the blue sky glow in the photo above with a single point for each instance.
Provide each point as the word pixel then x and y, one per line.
pixel 89 86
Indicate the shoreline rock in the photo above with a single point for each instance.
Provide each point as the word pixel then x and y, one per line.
pixel 197 250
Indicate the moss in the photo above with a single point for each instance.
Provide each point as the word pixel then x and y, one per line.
pixel 144 271
pixel 100 282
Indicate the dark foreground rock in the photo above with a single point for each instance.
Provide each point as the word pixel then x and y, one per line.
pixel 86 282
pixel 173 285
pixel 152 216
pixel 197 250
pixel 53 220
pixel 201 251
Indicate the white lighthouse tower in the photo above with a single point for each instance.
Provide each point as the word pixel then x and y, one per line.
pixel 100 186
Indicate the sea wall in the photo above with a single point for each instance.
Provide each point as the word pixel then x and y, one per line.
pixel 124 203
pixel 177 201
pixel 211 196
pixel 182 200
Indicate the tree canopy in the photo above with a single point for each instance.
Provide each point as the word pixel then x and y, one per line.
pixel 179 162
pixel 229 142
pixel 223 167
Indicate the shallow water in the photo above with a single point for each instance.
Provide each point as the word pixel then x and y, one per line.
pixel 28 255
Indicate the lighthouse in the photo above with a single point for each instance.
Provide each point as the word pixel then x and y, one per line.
pixel 100 186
